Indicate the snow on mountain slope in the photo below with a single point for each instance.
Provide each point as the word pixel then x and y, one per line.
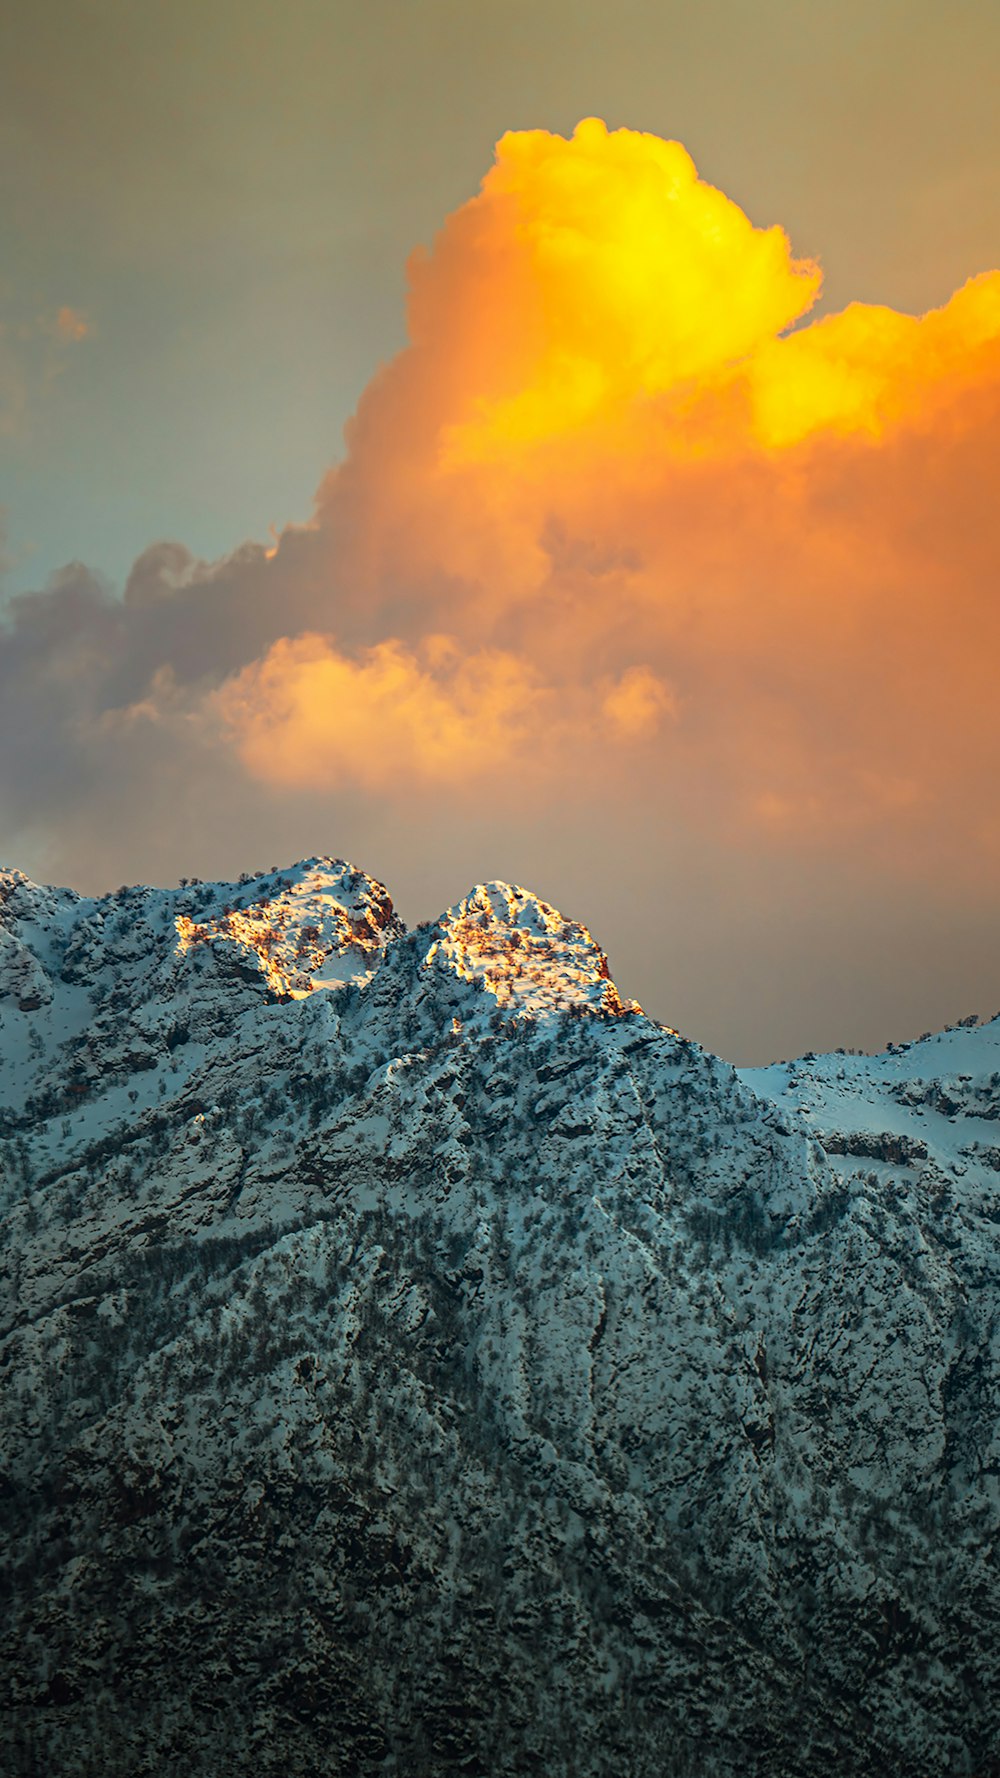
pixel 929 1108
pixel 417 1360
pixel 528 957
pixel 324 925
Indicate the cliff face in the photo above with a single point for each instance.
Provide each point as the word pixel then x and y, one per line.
pixel 416 1360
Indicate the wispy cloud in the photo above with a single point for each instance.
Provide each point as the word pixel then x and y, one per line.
pixel 33 352
pixel 70 324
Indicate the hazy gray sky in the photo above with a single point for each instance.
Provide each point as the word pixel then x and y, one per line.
pixel 206 213
pixel 228 190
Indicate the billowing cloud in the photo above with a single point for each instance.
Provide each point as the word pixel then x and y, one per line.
pixel 309 715
pixel 620 520
pixel 615 445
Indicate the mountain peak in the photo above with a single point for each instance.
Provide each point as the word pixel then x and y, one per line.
pixel 525 953
pixel 319 924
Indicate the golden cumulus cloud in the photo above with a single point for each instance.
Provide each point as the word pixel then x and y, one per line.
pixel 620 493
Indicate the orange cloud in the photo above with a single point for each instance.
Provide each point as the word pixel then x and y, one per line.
pixel 632 280
pixel 620 493
pixel 309 715
pixel 616 438
pixel 638 702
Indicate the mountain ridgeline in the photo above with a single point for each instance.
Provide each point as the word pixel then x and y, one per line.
pixel 418 1361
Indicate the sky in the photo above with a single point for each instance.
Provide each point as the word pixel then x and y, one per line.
pixel 556 442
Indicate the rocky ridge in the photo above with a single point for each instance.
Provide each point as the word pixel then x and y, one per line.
pixel 415 1359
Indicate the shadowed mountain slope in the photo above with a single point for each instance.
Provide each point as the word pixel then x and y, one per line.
pixel 416 1360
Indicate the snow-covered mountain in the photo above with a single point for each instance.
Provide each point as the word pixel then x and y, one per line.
pixel 416 1360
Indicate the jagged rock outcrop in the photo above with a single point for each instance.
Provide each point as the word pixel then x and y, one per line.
pixel 417 1360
